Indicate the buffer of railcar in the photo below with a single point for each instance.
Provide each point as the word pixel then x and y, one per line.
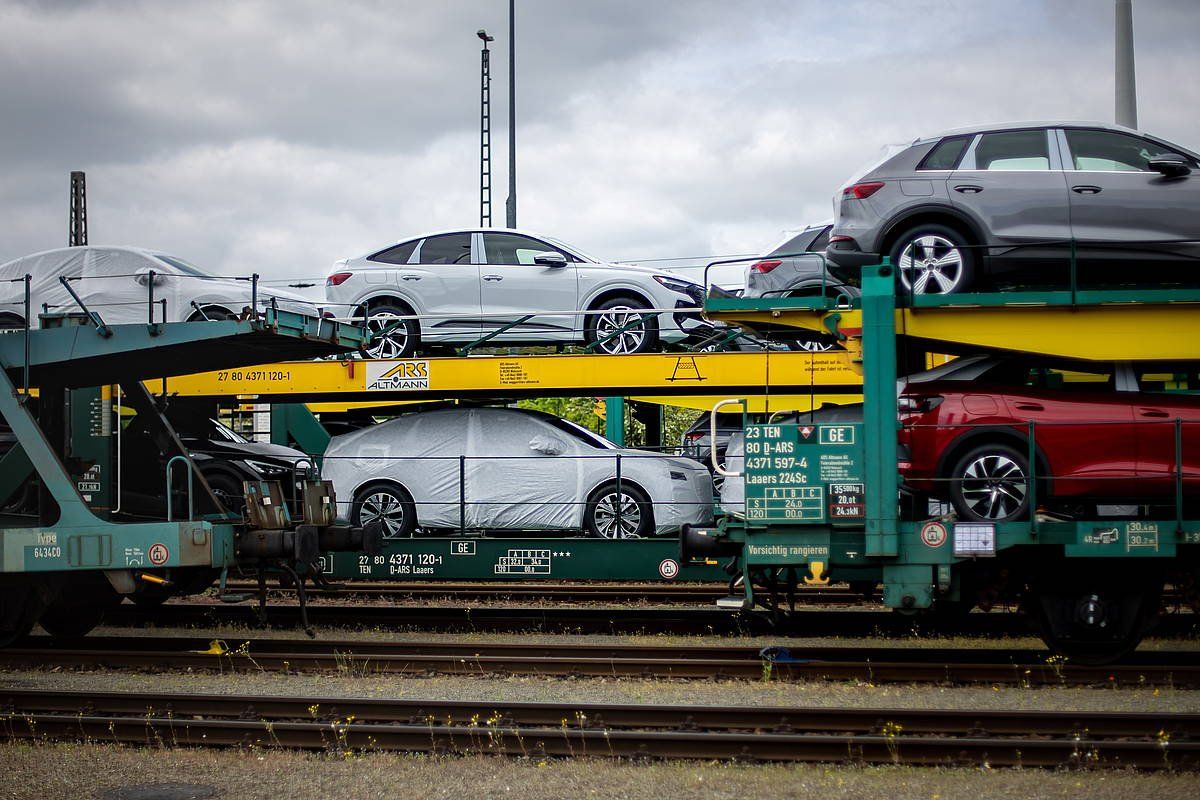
pixel 821 500
pixel 83 527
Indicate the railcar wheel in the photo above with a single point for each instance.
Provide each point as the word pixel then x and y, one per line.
pixel 79 609
pixel 1097 620
pixel 385 504
pixel 20 606
pixel 628 516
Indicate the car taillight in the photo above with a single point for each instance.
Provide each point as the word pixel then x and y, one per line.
pixel 694 436
pixel 338 278
pixel 840 238
pixel 765 266
pixel 910 404
pixel 861 191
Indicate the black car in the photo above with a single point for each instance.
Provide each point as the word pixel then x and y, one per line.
pixel 696 442
pixel 226 458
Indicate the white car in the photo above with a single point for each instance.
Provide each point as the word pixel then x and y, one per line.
pixel 510 469
pixel 115 282
pixel 457 286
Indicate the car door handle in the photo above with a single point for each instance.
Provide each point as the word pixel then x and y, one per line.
pixel 1030 406
pixel 1086 189
pixel 493 277
pixel 968 189
pixel 1154 412
pixel 411 277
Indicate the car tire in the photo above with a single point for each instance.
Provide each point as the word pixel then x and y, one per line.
pixel 933 259
pixel 387 504
pixel 228 489
pixel 636 515
pixel 618 311
pixel 813 343
pixel 990 483
pixel 401 341
pixel 212 314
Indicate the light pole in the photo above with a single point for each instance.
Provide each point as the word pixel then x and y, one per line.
pixel 1126 84
pixel 485 132
pixel 512 114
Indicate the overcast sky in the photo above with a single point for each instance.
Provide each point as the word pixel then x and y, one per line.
pixel 280 136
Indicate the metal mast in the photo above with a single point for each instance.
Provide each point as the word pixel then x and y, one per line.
pixel 485 132
pixel 1126 81
pixel 78 232
pixel 512 114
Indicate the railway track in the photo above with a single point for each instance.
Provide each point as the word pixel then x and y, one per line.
pixel 923 737
pixel 706 621
pixel 534 591
pixel 960 666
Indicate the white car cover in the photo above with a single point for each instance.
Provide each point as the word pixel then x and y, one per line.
pixel 521 471
pixel 112 281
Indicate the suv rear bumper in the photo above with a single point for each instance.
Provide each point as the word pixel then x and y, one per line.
pixel 846 260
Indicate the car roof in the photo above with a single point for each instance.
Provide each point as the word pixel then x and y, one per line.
pixel 141 251
pixel 1019 125
pixel 518 231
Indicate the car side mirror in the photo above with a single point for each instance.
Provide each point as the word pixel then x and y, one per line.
pixel 1172 165
pixel 550 259
pixel 547 445
pixel 142 277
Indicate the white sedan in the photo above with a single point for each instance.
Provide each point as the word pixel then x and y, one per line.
pixel 115 283
pixel 510 469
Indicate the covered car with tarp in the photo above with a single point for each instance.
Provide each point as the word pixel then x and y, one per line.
pixel 115 282
pixel 510 469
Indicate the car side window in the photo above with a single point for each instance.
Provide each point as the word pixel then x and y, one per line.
pixel 1072 380
pixel 1156 380
pixel 946 153
pixel 452 248
pixel 1110 151
pixel 395 255
pixel 1013 150
pixel 510 248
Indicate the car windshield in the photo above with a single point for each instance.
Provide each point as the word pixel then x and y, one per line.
pixel 221 432
pixel 183 266
pixel 579 432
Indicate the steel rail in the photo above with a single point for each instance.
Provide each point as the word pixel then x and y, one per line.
pixel 877 665
pixel 875 735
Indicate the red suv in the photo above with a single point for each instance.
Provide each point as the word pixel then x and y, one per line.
pixel 1103 434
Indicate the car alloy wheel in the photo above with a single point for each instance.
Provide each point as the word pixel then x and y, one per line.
pixel 386 508
pixel 629 340
pixel 931 264
pixel 993 487
pixel 617 519
pixel 390 344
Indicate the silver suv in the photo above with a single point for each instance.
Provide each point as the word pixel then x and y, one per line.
pixel 959 210
pixel 455 287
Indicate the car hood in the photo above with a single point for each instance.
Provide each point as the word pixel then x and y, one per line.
pixel 240 292
pixel 673 462
pixel 260 450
